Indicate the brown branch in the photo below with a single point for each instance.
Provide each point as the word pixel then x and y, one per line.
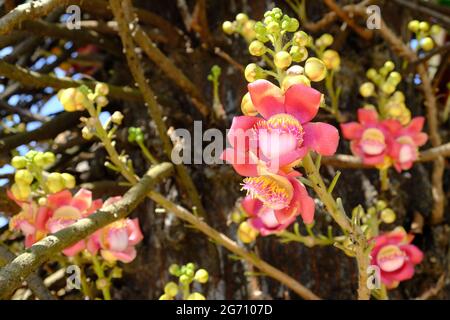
pixel 34 282
pixel 45 249
pixel 28 11
pixel 24 113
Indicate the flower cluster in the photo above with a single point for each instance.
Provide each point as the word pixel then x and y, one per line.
pixel 381 143
pixel 187 274
pixel 423 33
pixel 266 148
pixel 59 210
pixel 396 257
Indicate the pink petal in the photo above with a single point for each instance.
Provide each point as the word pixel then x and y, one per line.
pixel 59 199
pixel 307 206
pixel 125 256
pixel 267 98
pixel 42 217
pixel 30 240
pixel 251 206
pixel 366 116
pixel 416 125
pixel 240 131
pixel 415 254
pixel 82 200
pixel 321 137
pixel 274 144
pixel 393 126
pixel 351 130
pixel 93 243
pixel 134 231
pixel 420 139
pixel 241 162
pixel 302 102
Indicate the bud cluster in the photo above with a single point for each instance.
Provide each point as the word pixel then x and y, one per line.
pixel 241 25
pixel 423 33
pixel 186 274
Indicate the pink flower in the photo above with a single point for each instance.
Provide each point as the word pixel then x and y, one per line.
pixel 283 135
pixel 369 137
pixel 274 201
pixel 30 220
pixel 67 209
pixel 406 142
pixel 395 256
pixel 116 241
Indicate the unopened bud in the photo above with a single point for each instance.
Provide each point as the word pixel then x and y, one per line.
pixel 86 133
pixel 55 182
pixel 367 89
pixel 331 59
pixel 246 233
pixel 394 78
pixel 247 106
pixel 241 18
pixel 325 40
pixel 289 81
pixel 253 72
pixel 49 158
pixel 117 117
pixel 388 216
pixel 165 297
pixel 424 26
pixel 174 270
pixel 315 69
pixel 101 101
pixel 389 65
pixel 171 289
pixel 371 74
pixel 68 180
pixel 298 54
pixel 101 89
pixel 300 38
pixel 257 48
pixel 18 162
pixel 435 29
pixel 388 88
pixel 282 59
pixel 196 296
pixel 23 176
pixel 413 25
pixel 201 276
pixel 21 191
pixel 427 44
pixel 228 27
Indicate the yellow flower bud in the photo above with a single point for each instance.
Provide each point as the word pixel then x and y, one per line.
pixel 228 27
pixel 331 59
pixel 101 89
pixel 394 78
pixel 300 38
pixel 117 117
pixel 290 80
pixel 282 59
pixel 247 106
pixel 42 201
pixel 201 276
pixel 165 297
pixel 21 191
pixel 55 182
pixel 371 74
pixel 367 89
pixel 427 44
pixel 241 18
pixel 298 53
pixel 257 48
pixel 413 25
pixel 424 26
pixel 388 88
pixel 398 96
pixel 435 29
pixel 248 30
pixel 69 180
pixel 315 69
pixel 388 216
pixel 253 72
pixel 49 158
pixel 18 162
pixel 246 233
pixel 325 40
pixel 196 296
pixel 67 99
pixel 171 289
pixel 273 27
pixel 101 101
pixel 23 176
pixel 389 65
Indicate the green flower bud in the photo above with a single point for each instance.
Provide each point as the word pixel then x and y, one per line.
pixel 49 158
pixel 19 162
pixel 228 27
pixel 380 205
pixel 371 74
pixel 388 88
pixel 171 289
pixel 248 30
pixel 298 54
pixel 68 180
pixel 413 25
pixel 282 59
pixel 367 89
pixel 398 96
pixel 23 176
pixel 174 270
pixel 39 159
pixel 300 38
pixel 331 59
pixel 315 69
pixel 325 40
pixel 427 44
pixel 190 266
pixel 196 296
pixel 291 25
pixel 394 78
pixel 116 273
pixel 273 27
pixel 435 29
pixel 55 182
pixel 257 48
pixel 201 276
pixel 388 216
pixel 184 279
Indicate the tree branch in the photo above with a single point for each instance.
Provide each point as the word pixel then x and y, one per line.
pixel 12 274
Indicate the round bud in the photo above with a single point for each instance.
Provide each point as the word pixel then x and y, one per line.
pixel 117 117
pixel 248 30
pixel 174 270
pixel 292 25
pixel 290 80
pixel 165 297
pixel 69 180
pixel 315 69
pixel 424 26
pixel 190 266
pixel 257 48
pixel 23 176
pixel 246 233
pixel 86 133
pixel 413 25
pixel 101 101
pixel 67 99
pixel 435 29
pixel 241 18
pixel 196 296
pixel 300 38
pixel 388 216
pixel 326 40
pixel 388 88
pixel 19 162
pixel 367 89
pixel 383 71
pixel 247 106
pixel 21 191
pixel 55 182
pixel 295 70
pixel 201 276
pixel 273 27
pixel 184 279
pixel 101 89
pixel 282 59
pixel 253 72
pixel 331 59
pixel 371 74
pixel 380 205
pixel 39 159
pixel 298 54
pixel 389 65
pixel 171 289
pixel 228 27
pixel 394 78
pixel 49 158
pixel 398 96
pixel 427 44
pixel 42 201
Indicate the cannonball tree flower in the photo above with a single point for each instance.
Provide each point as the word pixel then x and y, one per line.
pixel 396 257
pixel 370 139
pixel 283 134
pixel 117 240
pixel 31 220
pixel 67 209
pixel 273 202
pixel 406 142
